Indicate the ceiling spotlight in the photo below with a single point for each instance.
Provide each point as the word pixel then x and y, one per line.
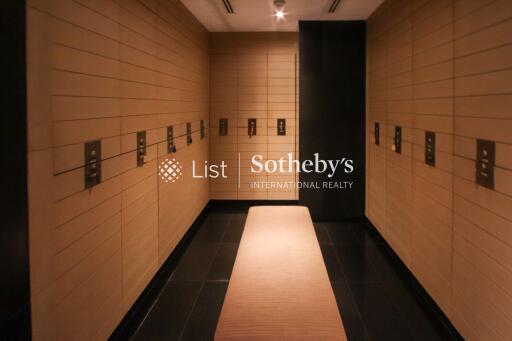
pixel 279 4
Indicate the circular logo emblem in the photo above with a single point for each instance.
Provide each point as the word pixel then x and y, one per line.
pixel 169 170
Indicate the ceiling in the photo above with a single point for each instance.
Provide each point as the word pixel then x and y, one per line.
pixel 258 15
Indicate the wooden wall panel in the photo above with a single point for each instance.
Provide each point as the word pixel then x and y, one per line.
pixel 447 70
pixel 376 112
pixel 482 220
pixel 105 70
pixel 253 75
pixel 399 95
pixel 431 243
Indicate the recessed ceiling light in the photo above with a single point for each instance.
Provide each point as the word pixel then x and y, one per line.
pixel 279 4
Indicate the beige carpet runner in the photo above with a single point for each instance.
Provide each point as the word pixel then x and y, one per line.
pixel 279 288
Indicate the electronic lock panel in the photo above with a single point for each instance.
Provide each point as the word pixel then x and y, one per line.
pixel 281 126
pixel 189 133
pixel 223 127
pixel 92 158
pixel 141 148
pixel 376 133
pixel 485 160
pixel 251 127
pixel 171 147
pixel 430 148
pixel 398 140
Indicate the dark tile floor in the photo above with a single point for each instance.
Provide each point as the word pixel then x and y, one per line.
pixel 377 297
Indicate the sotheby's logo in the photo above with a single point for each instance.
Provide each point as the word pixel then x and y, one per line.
pixel 289 165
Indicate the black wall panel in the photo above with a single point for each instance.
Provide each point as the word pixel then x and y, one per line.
pixel 14 268
pixel 332 113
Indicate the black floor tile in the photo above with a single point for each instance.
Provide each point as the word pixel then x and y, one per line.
pixel 386 265
pixel 354 327
pixel 331 263
pixel 196 262
pixel 223 262
pixel 239 216
pixel 321 233
pixel 378 313
pixel 169 314
pixel 235 230
pixel 203 320
pixel 342 232
pixel 425 325
pixel 355 263
pixel 366 232
pixel 213 228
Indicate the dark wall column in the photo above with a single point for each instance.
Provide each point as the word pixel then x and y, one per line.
pixel 332 113
pixel 15 285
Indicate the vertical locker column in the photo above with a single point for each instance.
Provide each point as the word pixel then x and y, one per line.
pixel 252 104
pixel 399 121
pixel 86 236
pixel 377 121
pixel 281 107
pixel 176 213
pixel 183 100
pixel 224 106
pixel 431 242
pixel 139 112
